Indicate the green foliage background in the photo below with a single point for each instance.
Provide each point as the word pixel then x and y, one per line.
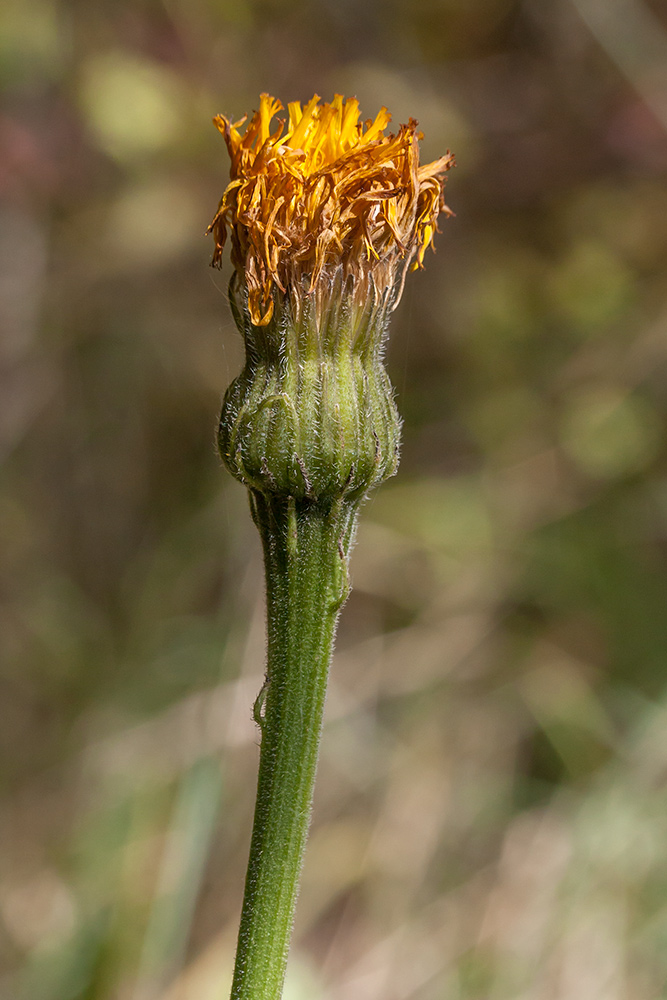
pixel 491 812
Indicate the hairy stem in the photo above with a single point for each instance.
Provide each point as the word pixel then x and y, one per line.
pixel 306 550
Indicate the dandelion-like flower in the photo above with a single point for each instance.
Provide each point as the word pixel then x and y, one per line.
pixel 326 214
pixel 322 191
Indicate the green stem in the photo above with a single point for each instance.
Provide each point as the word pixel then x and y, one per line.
pixel 306 549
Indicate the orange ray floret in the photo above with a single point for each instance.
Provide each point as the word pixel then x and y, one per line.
pixel 321 191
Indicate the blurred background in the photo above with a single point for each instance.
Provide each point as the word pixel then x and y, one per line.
pixel 491 812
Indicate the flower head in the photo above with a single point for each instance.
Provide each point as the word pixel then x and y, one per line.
pixel 322 191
